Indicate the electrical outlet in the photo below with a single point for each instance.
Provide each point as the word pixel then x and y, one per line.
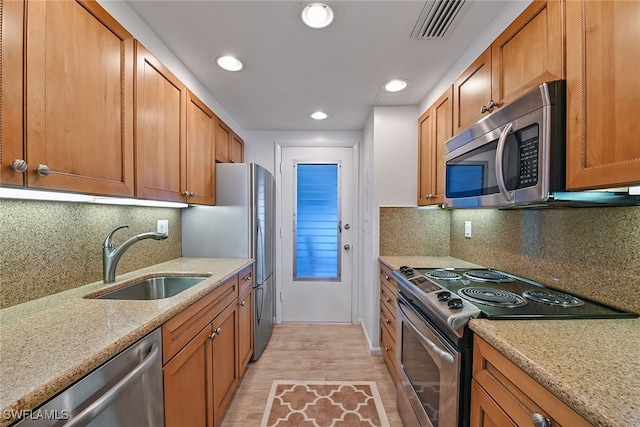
pixel 163 226
pixel 467 229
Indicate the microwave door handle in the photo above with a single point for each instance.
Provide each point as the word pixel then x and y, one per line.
pixel 499 154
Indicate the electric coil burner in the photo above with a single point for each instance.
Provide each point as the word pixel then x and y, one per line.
pixel 492 297
pixel 490 276
pixel 547 296
pixel 442 274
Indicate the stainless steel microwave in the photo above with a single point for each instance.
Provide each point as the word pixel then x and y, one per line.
pixel 513 157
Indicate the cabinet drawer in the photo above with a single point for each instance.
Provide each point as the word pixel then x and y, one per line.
pixel 517 393
pixel 181 328
pixel 385 277
pixel 387 297
pixel 388 318
pixel 388 347
pixel 245 279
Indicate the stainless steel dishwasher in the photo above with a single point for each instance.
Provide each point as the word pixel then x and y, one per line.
pixel 124 392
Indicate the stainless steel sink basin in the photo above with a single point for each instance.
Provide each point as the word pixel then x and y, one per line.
pixel 154 288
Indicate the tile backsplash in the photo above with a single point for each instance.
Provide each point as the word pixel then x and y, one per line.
pixel 49 247
pixel 592 252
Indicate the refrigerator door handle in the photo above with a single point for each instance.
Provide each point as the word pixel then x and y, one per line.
pixel 259 303
pixel 262 279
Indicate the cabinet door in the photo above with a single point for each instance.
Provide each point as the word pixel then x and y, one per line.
pixel 223 142
pixel 472 91
pixel 443 130
pixel 245 329
pixel 79 99
pixel 160 130
pixel 603 93
pixel 188 391
pixel 484 411
pixel 200 152
pixel 529 52
pixel 426 163
pixel 237 149
pixel 11 100
pixel 225 359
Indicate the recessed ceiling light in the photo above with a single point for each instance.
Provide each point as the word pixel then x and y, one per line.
pixel 229 63
pixel 395 85
pixel 319 115
pixel 317 15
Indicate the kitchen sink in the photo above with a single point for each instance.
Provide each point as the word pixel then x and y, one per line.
pixel 154 288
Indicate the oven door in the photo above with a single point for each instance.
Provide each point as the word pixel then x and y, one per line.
pixel 428 372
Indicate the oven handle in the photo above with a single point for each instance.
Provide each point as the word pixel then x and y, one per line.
pixel 442 354
pixel 499 154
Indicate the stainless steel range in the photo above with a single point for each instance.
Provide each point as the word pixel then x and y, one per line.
pixel 434 344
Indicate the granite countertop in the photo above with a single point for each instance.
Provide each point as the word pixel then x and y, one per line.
pixel 48 343
pixel 396 262
pixel 592 365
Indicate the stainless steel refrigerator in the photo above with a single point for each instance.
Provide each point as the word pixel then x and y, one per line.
pixel 241 225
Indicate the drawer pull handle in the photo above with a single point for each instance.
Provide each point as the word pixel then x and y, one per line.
pixel 540 420
pixel 19 165
pixel 43 170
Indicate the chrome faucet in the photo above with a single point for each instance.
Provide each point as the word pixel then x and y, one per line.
pixel 111 255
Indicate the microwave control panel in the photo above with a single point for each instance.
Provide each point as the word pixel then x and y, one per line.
pixel 529 152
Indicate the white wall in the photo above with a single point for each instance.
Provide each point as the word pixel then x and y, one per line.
pixel 389 162
pixel 260 146
pixel 129 19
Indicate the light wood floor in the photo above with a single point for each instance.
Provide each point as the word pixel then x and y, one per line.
pixel 310 352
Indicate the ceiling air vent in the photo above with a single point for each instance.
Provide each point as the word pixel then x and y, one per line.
pixel 436 18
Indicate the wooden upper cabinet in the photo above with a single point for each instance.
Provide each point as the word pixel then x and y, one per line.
pixel 160 130
pixel 237 149
pixel 426 162
pixel 529 52
pixel 200 152
pixel 472 92
pixel 603 93
pixel 79 98
pixel 11 101
pixel 435 128
pixel 223 142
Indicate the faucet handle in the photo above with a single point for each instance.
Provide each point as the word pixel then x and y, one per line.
pixel 108 242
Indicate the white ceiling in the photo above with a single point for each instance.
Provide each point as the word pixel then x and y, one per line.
pixel 291 70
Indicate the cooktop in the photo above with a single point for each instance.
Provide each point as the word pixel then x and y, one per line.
pixel 499 295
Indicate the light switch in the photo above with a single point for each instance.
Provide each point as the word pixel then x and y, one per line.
pixel 467 229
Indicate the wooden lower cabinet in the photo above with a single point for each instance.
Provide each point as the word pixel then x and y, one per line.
pixel 388 291
pixel 188 393
pixel 503 395
pixel 224 352
pixel 205 353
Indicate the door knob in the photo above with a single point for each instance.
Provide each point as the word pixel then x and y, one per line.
pixel 347 226
pixel 347 247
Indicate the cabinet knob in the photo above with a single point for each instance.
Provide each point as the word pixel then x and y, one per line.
pixel 188 194
pixel 248 277
pixel 387 349
pixel 483 109
pixel 243 303
pixel 19 165
pixel 215 333
pixel 386 277
pixel 540 420
pixel 387 321
pixel 43 170
pixel 491 104
pixel 388 299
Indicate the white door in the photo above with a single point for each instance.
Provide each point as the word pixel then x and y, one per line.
pixel 317 234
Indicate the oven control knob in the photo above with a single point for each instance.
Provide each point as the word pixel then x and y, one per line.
pixel 455 303
pixel 444 296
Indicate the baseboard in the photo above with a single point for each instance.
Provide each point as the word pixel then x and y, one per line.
pixel 374 350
